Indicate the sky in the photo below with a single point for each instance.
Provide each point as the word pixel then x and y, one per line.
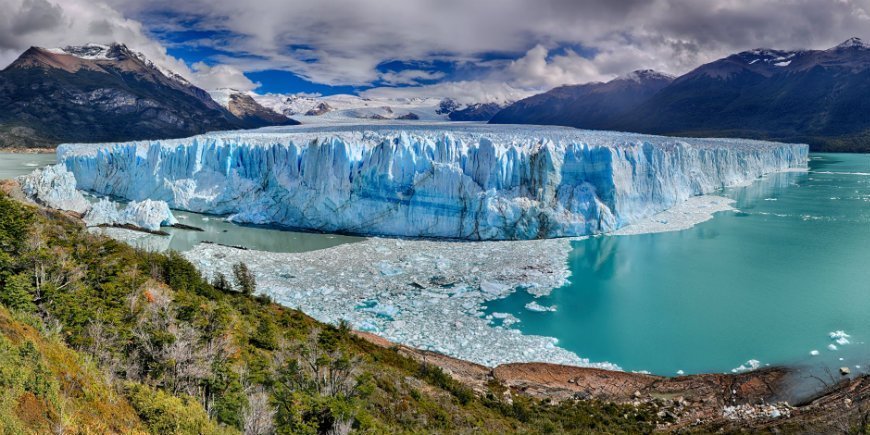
pixel 471 50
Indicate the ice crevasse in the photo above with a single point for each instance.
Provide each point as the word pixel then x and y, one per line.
pixel 476 182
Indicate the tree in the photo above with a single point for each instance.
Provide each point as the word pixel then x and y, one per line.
pixel 245 280
pixel 222 283
pixel 18 293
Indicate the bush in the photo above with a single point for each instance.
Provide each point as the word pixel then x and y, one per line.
pixel 167 414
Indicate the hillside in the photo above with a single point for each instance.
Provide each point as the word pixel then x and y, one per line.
pixel 173 353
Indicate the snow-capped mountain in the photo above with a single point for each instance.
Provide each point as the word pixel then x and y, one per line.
pixel 344 107
pixel 102 92
pixel 341 107
pixel 243 106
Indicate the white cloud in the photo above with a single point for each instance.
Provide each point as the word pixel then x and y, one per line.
pixel 410 76
pixel 221 76
pixel 464 92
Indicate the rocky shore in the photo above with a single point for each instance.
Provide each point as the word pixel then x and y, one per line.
pixel 704 403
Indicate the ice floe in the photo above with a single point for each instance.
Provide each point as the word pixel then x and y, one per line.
pixel 422 293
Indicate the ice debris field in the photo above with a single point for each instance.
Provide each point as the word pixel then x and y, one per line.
pixel 472 181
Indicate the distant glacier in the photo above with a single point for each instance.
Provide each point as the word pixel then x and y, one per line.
pixel 476 182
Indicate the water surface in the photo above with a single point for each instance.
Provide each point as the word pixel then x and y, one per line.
pixel 768 283
pixel 16 164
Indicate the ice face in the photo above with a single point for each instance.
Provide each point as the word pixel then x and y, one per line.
pixel 476 182
pixel 147 214
pixel 55 187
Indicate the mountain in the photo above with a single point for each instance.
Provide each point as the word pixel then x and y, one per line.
pixel 468 112
pixel 244 107
pixel 819 97
pixel 591 105
pixel 101 93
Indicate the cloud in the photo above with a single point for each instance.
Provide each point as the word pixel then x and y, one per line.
pixel 410 77
pixel 464 92
pixel 221 76
pixel 343 41
pixel 538 44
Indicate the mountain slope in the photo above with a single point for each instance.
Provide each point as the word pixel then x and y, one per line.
pixel 818 96
pixel 101 92
pixel 591 105
pixel 245 108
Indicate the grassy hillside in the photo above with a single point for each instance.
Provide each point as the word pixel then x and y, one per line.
pixel 98 337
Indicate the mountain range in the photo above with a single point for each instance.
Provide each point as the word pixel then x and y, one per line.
pixel 108 93
pixel 819 97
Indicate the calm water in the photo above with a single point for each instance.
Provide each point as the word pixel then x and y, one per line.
pixel 262 238
pixel 216 229
pixel 13 164
pixel 768 283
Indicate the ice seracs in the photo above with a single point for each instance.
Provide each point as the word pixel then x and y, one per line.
pixel 149 215
pixel 55 187
pixel 477 182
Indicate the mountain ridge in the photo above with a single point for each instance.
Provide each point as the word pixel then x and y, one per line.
pixel 813 96
pixel 101 92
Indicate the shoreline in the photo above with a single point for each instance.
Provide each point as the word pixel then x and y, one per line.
pixel 29 150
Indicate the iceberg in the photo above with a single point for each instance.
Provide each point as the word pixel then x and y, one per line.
pixel 475 182
pixel 149 215
pixel 54 187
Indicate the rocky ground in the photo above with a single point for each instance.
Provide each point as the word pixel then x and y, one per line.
pixel 694 403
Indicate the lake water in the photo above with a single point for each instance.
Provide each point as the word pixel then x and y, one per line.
pixel 768 283
pixel 16 164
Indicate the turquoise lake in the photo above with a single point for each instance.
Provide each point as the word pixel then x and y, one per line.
pixel 767 283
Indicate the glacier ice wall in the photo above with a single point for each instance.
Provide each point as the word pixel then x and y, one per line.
pixel 476 182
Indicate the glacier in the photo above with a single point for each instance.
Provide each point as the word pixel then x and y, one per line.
pixel 55 187
pixel 465 181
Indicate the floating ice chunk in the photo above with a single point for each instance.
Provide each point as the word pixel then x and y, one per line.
pixel 55 187
pixel 832 346
pixel 494 288
pixel 814 352
pixel 752 364
pixel 680 372
pixel 389 269
pixel 535 306
pixel 379 309
pixel 840 337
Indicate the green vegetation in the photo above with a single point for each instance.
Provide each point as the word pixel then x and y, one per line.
pixel 98 337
